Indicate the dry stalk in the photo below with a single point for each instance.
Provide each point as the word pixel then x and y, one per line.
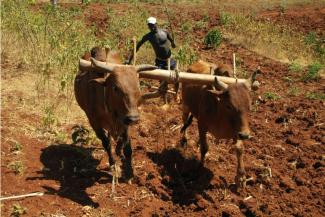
pixel 175 127
pixel 23 196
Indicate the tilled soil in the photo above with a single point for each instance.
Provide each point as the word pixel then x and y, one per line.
pixel 285 158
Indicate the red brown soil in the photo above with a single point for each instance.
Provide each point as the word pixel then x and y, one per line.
pixel 288 138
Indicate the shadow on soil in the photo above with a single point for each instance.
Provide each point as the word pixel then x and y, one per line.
pixel 75 169
pixel 185 177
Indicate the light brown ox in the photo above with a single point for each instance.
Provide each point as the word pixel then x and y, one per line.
pixel 222 112
pixel 110 101
pixel 220 69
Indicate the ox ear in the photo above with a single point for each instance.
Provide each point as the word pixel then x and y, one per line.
pixel 219 84
pixel 101 81
pixel 145 67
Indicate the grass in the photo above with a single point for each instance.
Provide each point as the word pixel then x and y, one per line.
pixel 47 42
pixel 17 167
pixel 275 41
pixel 16 147
pixel 294 91
pixel 315 96
pixel 17 210
pixel 313 72
pixel 271 96
pixel 295 67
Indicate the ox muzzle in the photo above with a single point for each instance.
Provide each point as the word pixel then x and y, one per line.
pixel 244 136
pixel 131 119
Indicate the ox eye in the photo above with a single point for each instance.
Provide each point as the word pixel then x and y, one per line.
pixel 115 88
pixel 229 107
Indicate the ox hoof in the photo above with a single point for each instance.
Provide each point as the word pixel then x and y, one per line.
pixel 115 171
pixel 241 181
pixel 129 181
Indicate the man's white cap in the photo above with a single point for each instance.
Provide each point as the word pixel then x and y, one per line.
pixel 151 20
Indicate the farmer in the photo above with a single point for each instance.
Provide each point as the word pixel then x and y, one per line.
pixel 158 39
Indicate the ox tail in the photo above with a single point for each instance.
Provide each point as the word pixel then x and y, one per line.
pixel 187 123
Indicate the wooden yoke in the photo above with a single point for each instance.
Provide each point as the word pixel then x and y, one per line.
pixel 169 76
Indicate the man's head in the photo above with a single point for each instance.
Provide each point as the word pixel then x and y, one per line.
pixel 152 24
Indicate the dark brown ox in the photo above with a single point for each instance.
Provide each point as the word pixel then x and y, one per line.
pixel 222 111
pixel 110 101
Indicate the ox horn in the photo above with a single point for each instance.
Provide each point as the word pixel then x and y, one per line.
pixel 101 66
pixel 145 67
pixel 219 84
pixel 84 65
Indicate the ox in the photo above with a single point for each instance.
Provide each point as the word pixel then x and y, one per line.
pixel 222 111
pixel 205 68
pixel 110 101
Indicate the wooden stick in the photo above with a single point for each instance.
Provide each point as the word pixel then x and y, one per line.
pixel 22 196
pixel 168 64
pixel 134 39
pixel 234 63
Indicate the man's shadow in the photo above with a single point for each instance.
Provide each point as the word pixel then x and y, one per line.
pixel 75 168
pixel 187 180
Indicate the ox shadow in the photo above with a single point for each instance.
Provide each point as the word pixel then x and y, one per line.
pixel 187 179
pixel 75 168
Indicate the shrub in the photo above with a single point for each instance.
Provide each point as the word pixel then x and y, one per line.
pixel 213 38
pixel 312 73
pixel 185 55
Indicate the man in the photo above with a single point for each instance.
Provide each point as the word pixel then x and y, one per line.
pixel 158 39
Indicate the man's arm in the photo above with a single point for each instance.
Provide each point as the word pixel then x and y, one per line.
pixel 139 44
pixel 171 40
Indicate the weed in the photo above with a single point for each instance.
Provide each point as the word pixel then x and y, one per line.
pixel 17 167
pixel 313 72
pixel 294 91
pixel 16 147
pixel 288 79
pixel 295 67
pixel 311 38
pixel 186 27
pixel 49 119
pixel 201 24
pixel 17 210
pixel 315 96
pixel 213 38
pixel 50 39
pixel 185 55
pixel 271 96
pixel 225 18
